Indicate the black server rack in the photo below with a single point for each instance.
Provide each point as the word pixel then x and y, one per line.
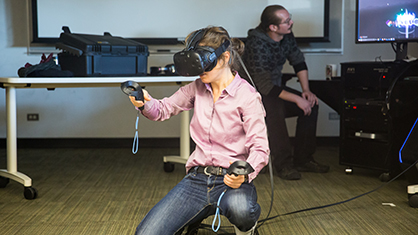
pixel 369 132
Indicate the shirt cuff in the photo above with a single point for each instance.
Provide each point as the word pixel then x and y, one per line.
pixel 299 67
pixel 275 92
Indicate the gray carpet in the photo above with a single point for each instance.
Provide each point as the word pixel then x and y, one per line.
pixel 109 191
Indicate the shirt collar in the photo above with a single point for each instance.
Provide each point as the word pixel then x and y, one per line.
pixel 231 89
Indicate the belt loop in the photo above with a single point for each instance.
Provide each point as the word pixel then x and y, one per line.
pixel 194 169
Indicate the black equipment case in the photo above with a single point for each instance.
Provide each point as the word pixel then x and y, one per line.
pixel 97 55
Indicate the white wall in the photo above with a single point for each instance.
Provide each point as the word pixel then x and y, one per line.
pixel 106 112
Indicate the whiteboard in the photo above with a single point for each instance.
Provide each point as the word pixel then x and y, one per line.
pixel 171 19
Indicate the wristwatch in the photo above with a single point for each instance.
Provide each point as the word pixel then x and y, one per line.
pixel 245 178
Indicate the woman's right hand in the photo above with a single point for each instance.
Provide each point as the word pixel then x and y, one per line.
pixel 139 103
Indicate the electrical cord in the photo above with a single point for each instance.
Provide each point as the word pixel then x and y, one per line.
pixel 341 202
pixel 261 222
pixel 388 95
pixel 204 226
pixel 246 71
pixel 403 145
pixel 361 195
pixel 392 85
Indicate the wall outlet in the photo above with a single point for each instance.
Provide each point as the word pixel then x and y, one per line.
pixel 33 117
pixel 333 116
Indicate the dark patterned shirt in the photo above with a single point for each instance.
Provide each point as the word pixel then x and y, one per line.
pixel 264 59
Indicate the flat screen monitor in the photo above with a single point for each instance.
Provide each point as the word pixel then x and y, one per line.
pixel 170 21
pixel 386 21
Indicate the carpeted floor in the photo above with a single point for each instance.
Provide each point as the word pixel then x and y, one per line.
pixel 108 191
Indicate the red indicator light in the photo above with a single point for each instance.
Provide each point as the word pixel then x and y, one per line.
pixel 354 107
pixel 384 76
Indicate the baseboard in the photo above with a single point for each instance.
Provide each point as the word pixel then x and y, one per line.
pixel 120 142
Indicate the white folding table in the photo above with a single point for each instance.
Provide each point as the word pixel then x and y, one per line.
pixel 13 83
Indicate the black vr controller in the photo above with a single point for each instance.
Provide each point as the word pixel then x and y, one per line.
pixel 240 168
pixel 132 88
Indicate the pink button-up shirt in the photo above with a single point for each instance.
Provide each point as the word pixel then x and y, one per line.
pixel 233 128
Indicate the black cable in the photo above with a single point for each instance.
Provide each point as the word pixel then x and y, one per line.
pixel 393 44
pixel 261 222
pixel 392 85
pixel 398 47
pixel 209 227
pixel 341 202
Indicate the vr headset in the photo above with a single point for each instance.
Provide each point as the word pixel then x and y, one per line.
pixel 194 59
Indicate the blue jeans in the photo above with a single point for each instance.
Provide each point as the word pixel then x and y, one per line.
pixel 195 198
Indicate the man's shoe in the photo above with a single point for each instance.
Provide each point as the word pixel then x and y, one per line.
pixel 313 166
pixel 289 173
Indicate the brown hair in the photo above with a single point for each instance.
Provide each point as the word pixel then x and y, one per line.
pixel 214 37
pixel 268 17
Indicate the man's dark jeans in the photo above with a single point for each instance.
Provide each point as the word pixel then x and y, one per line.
pixel 283 154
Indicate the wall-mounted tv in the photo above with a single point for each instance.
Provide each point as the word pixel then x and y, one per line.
pixel 169 21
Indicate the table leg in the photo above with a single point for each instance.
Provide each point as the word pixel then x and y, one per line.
pixel 11 172
pixel 184 144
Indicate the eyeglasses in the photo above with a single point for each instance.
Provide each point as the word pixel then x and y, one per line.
pixel 287 21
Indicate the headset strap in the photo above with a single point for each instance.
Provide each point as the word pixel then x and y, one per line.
pixel 222 48
pixel 219 50
pixel 197 36
pixel 196 39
